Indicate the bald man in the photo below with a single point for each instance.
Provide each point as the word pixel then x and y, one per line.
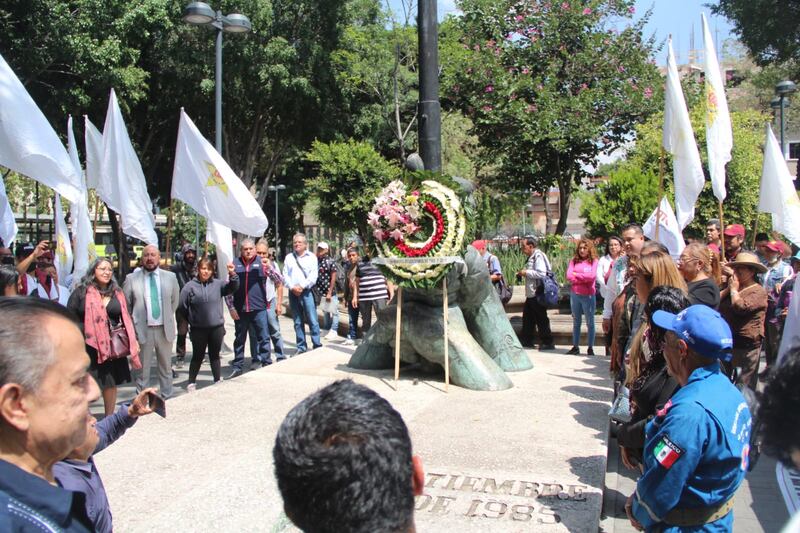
pixel 153 295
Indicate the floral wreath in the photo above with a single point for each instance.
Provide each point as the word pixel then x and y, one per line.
pixel 424 224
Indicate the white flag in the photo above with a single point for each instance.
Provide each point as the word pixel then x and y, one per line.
pixel 28 144
pixel 719 132
pixel 94 159
pixel 8 226
pixel 121 167
pixel 669 233
pixel 63 251
pixel 203 179
pixel 84 252
pixel 221 238
pixel 778 195
pixel 679 141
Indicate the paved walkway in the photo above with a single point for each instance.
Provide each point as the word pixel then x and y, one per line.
pixel 759 505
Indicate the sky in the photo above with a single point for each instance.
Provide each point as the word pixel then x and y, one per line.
pixel 674 17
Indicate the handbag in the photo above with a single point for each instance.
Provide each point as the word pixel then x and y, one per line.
pixel 621 406
pixel 120 343
pixel 503 290
pixel 547 291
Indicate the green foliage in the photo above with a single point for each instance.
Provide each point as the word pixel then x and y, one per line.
pixel 183 225
pixel 549 86
pixel 769 28
pixel 559 251
pixel 349 176
pixel 625 198
pixel 629 195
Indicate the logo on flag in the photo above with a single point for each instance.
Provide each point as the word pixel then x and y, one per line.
pixel 711 102
pixel 61 250
pixel 215 179
pixel 666 452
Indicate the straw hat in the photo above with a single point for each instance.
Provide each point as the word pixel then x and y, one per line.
pixel 748 259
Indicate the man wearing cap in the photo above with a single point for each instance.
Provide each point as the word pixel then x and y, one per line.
pixel 696 449
pixel 185 271
pixel 300 271
pixel 734 241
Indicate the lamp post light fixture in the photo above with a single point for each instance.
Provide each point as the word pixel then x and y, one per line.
pixel 784 89
pixel 201 14
pixel 276 188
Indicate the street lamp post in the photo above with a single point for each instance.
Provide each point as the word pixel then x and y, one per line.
pixel 201 14
pixel 783 89
pixel 276 188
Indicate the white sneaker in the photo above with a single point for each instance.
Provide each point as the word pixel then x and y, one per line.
pixel 191 387
pixel 348 342
pixel 332 335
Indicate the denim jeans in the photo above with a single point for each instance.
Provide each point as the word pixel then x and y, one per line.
pixel 303 307
pixel 331 320
pixel 255 323
pixel 582 306
pixel 353 312
pixel 274 334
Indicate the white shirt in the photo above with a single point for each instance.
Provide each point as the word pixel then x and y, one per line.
pixel 151 320
pixel 58 293
pixel 293 273
pixel 603 264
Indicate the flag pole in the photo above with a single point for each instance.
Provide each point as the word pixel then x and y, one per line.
pixel 96 216
pixel 660 188
pixel 397 327
pixel 169 229
pixel 721 234
pixel 755 230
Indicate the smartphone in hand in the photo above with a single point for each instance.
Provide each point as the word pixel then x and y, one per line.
pixel 157 404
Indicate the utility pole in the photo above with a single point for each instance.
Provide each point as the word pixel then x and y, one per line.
pixel 430 127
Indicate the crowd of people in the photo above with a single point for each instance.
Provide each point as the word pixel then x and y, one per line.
pixel 129 327
pixel 686 337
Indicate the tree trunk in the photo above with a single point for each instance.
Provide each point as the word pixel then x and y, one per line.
pixel 548 219
pixel 123 264
pixel 564 201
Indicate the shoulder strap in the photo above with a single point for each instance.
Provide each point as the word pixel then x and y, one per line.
pixel 297 261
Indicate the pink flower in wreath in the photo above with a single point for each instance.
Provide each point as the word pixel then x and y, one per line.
pixel 397 235
pixel 374 219
pixel 378 234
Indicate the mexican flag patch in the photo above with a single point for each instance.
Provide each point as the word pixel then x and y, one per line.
pixel 666 452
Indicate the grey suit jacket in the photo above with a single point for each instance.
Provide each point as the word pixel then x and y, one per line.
pixel 170 296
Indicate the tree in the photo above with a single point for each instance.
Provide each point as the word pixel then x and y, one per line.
pixel 769 28
pixel 349 176
pixel 631 194
pixel 549 86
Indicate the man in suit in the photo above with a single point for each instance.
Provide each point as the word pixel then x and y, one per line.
pixel 154 296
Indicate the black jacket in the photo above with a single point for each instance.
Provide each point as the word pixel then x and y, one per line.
pixel 202 302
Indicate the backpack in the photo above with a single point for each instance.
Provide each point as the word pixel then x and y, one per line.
pixel 755 430
pixel 341 276
pixel 547 291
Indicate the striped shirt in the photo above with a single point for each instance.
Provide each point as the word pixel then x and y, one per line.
pixel 371 283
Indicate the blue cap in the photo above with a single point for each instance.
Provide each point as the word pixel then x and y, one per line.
pixel 703 329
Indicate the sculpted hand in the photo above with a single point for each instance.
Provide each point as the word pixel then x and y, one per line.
pixel 140 405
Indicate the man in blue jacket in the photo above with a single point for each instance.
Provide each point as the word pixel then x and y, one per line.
pixel 250 308
pixel 696 449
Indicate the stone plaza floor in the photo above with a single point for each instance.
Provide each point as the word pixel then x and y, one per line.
pixel 533 458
